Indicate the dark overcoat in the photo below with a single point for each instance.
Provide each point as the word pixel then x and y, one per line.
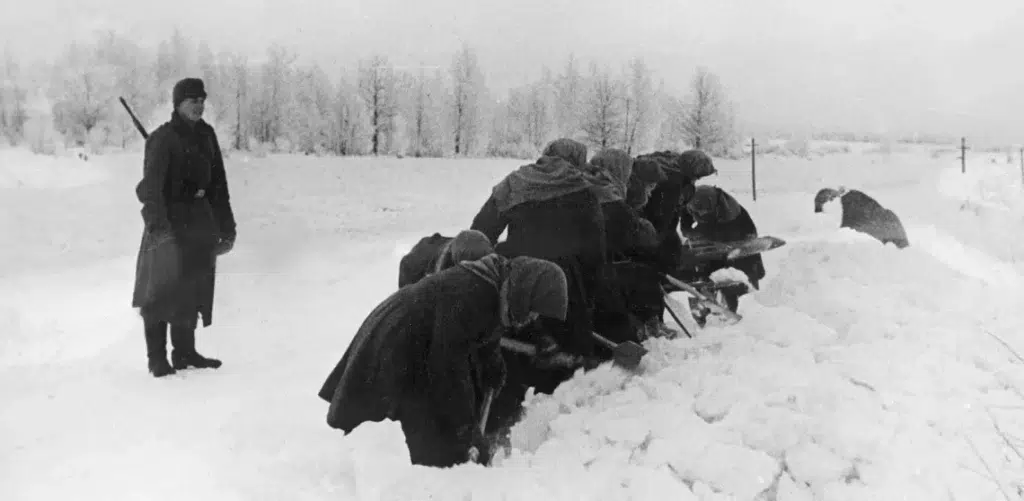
pixel 421 259
pixel 736 230
pixel 186 210
pixel 864 214
pixel 567 230
pixel 425 357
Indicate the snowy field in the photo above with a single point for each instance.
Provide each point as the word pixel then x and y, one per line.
pixel 859 372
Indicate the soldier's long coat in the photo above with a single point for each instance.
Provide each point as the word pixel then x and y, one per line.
pixel 186 209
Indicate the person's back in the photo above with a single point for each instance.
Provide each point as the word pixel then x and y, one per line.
pixel 421 259
pixel 664 206
pixel 721 218
pixel 863 213
pixel 551 211
pixel 567 226
pixel 437 253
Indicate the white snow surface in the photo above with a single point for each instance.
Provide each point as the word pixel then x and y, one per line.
pixel 859 371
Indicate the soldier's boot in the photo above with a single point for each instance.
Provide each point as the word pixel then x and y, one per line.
pixel 185 355
pixel 156 348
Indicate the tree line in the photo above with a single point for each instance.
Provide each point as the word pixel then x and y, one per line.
pixel 377 108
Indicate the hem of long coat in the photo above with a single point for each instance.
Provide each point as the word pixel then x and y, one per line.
pixel 175 319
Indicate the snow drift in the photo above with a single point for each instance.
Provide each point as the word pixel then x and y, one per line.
pixel 859 371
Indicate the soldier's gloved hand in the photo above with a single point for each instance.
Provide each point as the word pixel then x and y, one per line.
pixel 225 244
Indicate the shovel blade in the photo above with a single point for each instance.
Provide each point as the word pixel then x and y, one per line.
pixel 629 354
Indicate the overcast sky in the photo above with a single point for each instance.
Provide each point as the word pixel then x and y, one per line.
pixel 894 66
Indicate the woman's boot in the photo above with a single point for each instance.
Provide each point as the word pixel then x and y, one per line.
pixel 184 354
pixel 156 348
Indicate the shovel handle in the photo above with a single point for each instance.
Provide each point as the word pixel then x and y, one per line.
pixel 528 349
pixel 485 411
pixel 605 341
pixel 693 291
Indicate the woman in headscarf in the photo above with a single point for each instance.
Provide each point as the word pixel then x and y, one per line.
pixel 428 354
pixel 552 212
pixel 647 174
pixel 626 233
pixel 437 253
pixel 719 217
pixel 665 207
pixel 628 237
pixel 864 214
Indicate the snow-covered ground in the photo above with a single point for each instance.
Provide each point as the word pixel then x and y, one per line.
pixel 858 372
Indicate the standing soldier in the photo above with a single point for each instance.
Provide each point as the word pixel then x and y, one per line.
pixel 188 223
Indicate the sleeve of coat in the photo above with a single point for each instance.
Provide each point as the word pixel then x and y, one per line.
pixel 150 189
pixel 491 368
pixel 489 221
pixel 643 235
pixel 220 197
pixel 598 241
pixel 450 374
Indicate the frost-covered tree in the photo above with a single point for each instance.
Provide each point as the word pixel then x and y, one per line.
pixel 466 111
pixel 425 132
pixel 272 99
pixel 174 60
pixel 377 90
pixel 638 102
pixel 706 119
pixel 13 99
pixel 349 123
pixel 233 111
pixel 314 96
pixel 570 93
pixel 127 66
pixel 80 90
pixel 602 121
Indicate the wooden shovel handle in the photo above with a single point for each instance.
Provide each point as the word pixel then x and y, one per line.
pixel 605 341
pixel 485 410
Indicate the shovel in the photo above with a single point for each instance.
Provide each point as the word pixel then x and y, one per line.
pixel 717 308
pixel 626 355
pixel 485 412
pixel 561 359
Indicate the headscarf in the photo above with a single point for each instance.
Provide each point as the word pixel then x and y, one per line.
pixel 824 196
pixel 647 170
pixel 567 149
pixel 468 245
pixel 549 177
pixel 695 164
pixel 612 171
pixel 525 284
pixel 711 204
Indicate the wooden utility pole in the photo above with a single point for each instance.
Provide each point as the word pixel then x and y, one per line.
pixel 753 168
pixel 963 155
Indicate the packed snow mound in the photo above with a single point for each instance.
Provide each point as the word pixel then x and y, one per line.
pixel 20 168
pixel 843 384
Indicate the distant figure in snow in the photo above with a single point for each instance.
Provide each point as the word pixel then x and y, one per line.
pixel 188 220
pixel 437 253
pixel 718 217
pixel 864 214
pixel 428 354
